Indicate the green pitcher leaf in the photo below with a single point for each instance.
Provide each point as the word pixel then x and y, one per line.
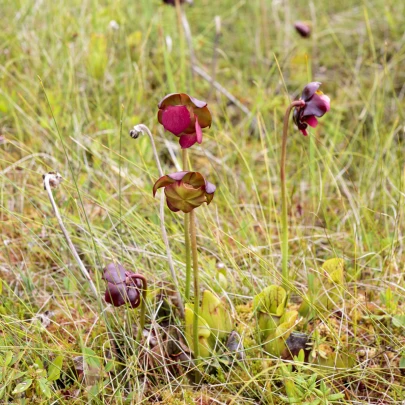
pixel 334 269
pixel 271 300
pixel 216 315
pixel 204 331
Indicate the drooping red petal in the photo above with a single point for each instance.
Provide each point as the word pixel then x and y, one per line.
pixel 187 140
pixel 176 119
pixel 304 132
pixel 162 182
pixel 198 131
pixel 311 120
pixel 204 116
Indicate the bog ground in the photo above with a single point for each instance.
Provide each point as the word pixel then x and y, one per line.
pixel 76 76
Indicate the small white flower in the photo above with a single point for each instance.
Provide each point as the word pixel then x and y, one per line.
pixel 114 25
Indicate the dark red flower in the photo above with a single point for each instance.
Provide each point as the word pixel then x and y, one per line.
pixel 316 105
pixel 123 287
pixel 303 29
pixel 184 116
pixel 173 2
pixel 185 190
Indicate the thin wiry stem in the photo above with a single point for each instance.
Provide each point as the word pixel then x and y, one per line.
pixel 187 33
pixel 284 202
pixel 222 90
pixel 139 129
pixel 56 178
pixel 215 53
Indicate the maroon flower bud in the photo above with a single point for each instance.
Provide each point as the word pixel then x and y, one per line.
pixel 123 287
pixel 184 116
pixel 185 190
pixel 303 29
pixel 173 2
pixel 316 105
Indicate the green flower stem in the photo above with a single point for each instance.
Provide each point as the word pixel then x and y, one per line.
pixel 284 202
pixel 187 236
pixel 196 285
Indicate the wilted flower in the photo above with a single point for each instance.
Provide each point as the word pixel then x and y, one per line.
pixel 185 190
pixel 303 29
pixel 316 105
pixel 123 287
pixel 184 116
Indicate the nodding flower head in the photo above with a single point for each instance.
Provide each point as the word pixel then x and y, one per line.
pixel 173 2
pixel 303 29
pixel 185 190
pixel 316 105
pixel 123 287
pixel 184 116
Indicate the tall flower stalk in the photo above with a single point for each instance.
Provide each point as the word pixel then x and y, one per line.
pixel 185 117
pixel 184 192
pixel 52 180
pixel 284 201
pixel 194 250
pixel 313 103
pixel 187 242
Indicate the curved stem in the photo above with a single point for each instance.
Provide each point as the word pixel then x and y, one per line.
pixel 138 129
pixel 193 235
pixel 56 179
pixel 284 202
pixel 143 303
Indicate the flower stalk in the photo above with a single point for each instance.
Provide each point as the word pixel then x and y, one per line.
pixel 284 201
pixel 193 235
pixel 53 179
pixel 187 242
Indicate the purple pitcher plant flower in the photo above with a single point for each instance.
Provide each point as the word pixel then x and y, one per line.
pixel 184 116
pixel 185 190
pixel 123 287
pixel 316 105
pixel 303 29
pixel 173 2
